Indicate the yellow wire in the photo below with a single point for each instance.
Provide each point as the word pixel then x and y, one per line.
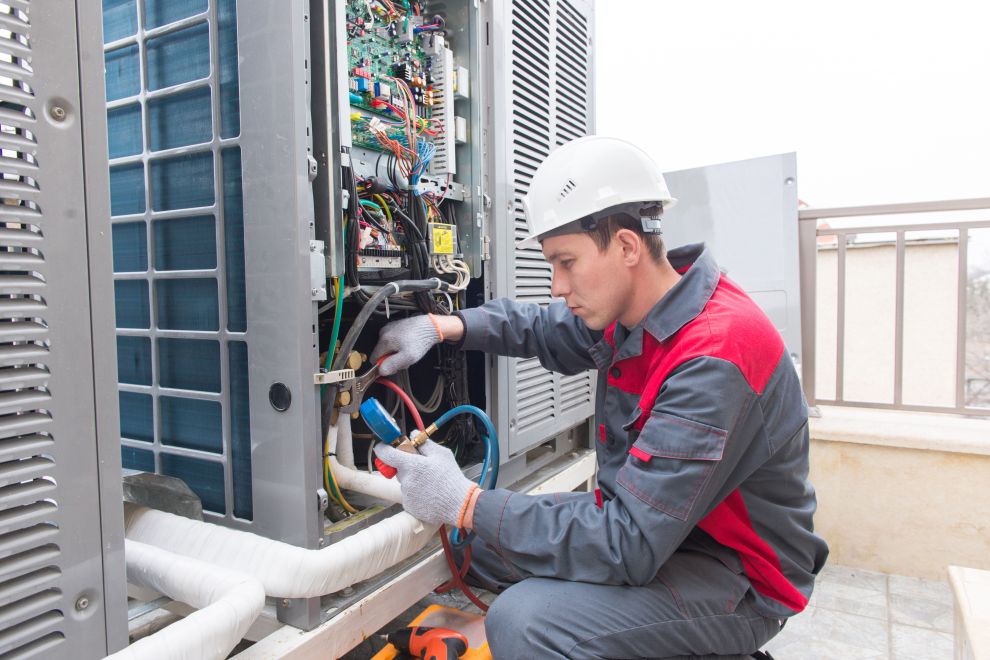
pixel 384 205
pixel 337 493
pixel 331 482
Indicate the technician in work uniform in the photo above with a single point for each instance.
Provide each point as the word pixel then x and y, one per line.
pixel 699 540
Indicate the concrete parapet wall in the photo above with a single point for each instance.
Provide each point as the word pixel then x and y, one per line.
pixel 903 493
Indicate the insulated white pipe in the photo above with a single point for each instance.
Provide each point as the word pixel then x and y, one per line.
pixel 364 482
pixel 341 443
pixel 227 602
pixel 284 570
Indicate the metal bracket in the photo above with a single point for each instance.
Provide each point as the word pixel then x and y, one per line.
pixel 317 271
pixel 313 167
pixel 345 198
pixel 330 377
pixel 322 500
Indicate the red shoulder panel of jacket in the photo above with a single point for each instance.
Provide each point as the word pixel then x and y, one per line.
pixel 731 327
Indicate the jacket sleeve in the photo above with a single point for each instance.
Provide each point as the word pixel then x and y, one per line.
pixel 553 334
pixel 679 467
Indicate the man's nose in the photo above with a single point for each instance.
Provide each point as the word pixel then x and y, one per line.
pixel 558 285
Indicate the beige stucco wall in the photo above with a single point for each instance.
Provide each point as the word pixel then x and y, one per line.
pixel 902 493
pixel 930 294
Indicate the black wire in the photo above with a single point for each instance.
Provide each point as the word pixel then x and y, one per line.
pixel 420 262
pixel 350 339
pixel 351 276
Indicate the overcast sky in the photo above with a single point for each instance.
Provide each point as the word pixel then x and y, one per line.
pixel 883 101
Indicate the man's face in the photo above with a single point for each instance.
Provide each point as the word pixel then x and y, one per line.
pixel 594 284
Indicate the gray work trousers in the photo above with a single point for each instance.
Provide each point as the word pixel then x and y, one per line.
pixel 695 608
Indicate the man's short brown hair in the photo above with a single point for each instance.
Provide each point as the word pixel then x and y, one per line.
pixel 607 228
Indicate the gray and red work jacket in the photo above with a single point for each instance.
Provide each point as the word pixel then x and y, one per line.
pixel 702 443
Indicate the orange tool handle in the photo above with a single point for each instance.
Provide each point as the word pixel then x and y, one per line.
pixel 429 643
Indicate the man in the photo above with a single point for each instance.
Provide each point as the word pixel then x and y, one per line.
pixel 700 539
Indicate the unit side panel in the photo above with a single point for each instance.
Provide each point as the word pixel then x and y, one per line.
pixel 55 580
pixel 212 211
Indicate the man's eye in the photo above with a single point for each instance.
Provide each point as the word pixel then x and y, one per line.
pixel 567 263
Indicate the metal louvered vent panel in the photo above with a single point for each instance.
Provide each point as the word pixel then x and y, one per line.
pixel 31 604
pixel 531 129
pixel 573 71
pixel 548 105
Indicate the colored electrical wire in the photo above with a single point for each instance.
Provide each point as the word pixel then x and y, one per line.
pixel 331 482
pixel 339 307
pixel 384 205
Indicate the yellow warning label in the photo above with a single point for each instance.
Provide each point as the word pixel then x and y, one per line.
pixel 443 239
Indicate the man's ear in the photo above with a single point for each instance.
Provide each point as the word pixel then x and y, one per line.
pixel 631 244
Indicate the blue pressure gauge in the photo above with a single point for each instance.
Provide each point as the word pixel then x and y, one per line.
pixel 379 421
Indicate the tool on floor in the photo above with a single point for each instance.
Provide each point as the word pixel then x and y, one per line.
pixel 469 628
pixel 429 643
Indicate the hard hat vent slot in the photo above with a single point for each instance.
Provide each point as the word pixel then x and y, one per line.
pixel 566 190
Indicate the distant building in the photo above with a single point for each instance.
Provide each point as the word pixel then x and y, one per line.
pixel 930 318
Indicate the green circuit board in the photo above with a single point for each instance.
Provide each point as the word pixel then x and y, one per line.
pixel 382 46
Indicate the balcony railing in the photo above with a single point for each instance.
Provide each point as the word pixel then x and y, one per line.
pixel 884 227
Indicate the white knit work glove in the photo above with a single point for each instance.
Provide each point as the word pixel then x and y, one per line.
pixel 433 488
pixel 408 340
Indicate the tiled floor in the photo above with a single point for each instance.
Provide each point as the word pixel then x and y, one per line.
pixel 863 614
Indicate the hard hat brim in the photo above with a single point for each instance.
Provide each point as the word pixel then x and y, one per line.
pixel 533 240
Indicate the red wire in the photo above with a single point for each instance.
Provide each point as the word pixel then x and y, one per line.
pixel 406 400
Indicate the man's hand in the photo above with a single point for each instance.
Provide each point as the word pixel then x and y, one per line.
pixel 410 339
pixel 433 488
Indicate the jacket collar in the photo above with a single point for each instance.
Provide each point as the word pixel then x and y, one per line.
pixel 687 298
pixel 682 304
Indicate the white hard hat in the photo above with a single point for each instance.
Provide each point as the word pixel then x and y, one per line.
pixel 587 176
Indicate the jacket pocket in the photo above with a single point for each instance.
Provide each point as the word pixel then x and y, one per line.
pixel 670 463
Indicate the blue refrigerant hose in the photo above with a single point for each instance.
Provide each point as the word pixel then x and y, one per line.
pixel 491 455
pixel 491 441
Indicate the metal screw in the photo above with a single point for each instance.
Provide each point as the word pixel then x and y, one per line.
pixel 312 247
pixel 57 113
pixel 315 292
pixel 346 591
pixel 285 602
pixel 82 603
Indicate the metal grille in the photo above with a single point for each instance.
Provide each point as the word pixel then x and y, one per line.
pixel 531 133
pixel 177 206
pixel 550 105
pixel 574 73
pixel 29 554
